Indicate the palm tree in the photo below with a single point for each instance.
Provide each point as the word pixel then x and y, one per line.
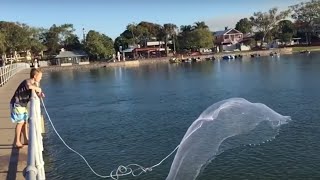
pixel 170 32
pixel 200 25
pixel 132 28
pixel 185 28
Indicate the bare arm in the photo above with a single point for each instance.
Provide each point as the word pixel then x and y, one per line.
pixel 33 87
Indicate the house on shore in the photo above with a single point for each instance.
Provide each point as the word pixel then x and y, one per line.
pixel 69 58
pixel 229 40
pixel 153 49
pixel 150 49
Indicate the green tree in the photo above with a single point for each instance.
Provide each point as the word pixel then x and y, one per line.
pixel 250 42
pixel 266 21
pixel 194 38
pixel 36 45
pixel 56 36
pixel 153 29
pixel 120 42
pixel 203 38
pixel 65 31
pixel 25 35
pixel 51 40
pixel 244 25
pixel 285 30
pixel 2 43
pixel 185 37
pixel 258 36
pixel 99 46
pixel 142 32
pixel 200 25
pixel 137 33
pixel 16 36
pixel 286 37
pixel 169 32
pixel 20 37
pixel 132 28
pixel 271 35
pixel 307 16
pixel 72 42
pixel 185 28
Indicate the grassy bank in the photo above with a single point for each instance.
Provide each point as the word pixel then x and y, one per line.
pixel 303 48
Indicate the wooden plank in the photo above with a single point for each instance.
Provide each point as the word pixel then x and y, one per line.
pixel 12 160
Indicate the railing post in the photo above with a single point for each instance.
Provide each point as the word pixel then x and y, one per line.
pixel 1 77
pixel 5 73
pixel 35 164
pixel 31 170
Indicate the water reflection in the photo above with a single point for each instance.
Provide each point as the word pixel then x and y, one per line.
pixel 120 115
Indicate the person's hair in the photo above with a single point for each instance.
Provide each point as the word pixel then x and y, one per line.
pixel 34 72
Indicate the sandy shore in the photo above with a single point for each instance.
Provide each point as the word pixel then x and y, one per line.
pixel 94 65
pixel 136 63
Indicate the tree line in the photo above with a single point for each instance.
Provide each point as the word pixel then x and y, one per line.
pixel 193 36
pixel 300 20
pixel 21 37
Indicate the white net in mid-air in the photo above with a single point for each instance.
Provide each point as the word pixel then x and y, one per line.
pixel 224 125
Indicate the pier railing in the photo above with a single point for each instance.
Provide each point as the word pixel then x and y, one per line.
pixel 6 72
pixel 35 163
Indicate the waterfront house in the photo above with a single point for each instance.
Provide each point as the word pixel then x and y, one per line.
pixel 152 49
pixel 295 41
pixel 228 39
pixel 147 49
pixel 69 58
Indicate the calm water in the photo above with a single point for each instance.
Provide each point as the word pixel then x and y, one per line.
pixel 118 116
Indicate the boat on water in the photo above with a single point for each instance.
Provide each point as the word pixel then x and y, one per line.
pixel 227 57
pixel 274 54
pixel 305 52
pixel 196 59
pixel 188 60
pixel 254 55
pixel 174 60
pixel 210 58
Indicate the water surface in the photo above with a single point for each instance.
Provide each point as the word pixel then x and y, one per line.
pixel 118 116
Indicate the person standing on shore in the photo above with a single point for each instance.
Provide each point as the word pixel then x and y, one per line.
pixel 19 102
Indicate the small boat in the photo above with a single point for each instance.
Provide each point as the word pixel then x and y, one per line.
pixel 228 57
pixel 174 60
pixel 275 54
pixel 239 56
pixel 196 59
pixel 305 52
pixel 254 55
pixel 186 60
pixel 210 59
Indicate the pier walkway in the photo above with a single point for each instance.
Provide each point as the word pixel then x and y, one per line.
pixel 12 160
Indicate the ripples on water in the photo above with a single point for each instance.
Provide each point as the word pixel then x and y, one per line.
pixel 117 116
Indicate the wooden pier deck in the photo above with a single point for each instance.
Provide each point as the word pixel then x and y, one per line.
pixel 12 160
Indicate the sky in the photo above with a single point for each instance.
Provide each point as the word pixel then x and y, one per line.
pixel 112 16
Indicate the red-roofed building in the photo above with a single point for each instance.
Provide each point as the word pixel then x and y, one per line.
pixel 149 50
pixel 227 39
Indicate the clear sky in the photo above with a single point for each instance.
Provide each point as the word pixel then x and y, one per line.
pixel 112 16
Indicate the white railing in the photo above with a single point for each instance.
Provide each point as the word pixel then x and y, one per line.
pixel 8 71
pixel 35 163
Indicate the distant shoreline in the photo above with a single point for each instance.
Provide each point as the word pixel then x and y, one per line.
pixel 137 63
pixel 95 65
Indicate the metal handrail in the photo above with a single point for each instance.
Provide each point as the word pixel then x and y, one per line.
pixel 35 163
pixel 6 72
